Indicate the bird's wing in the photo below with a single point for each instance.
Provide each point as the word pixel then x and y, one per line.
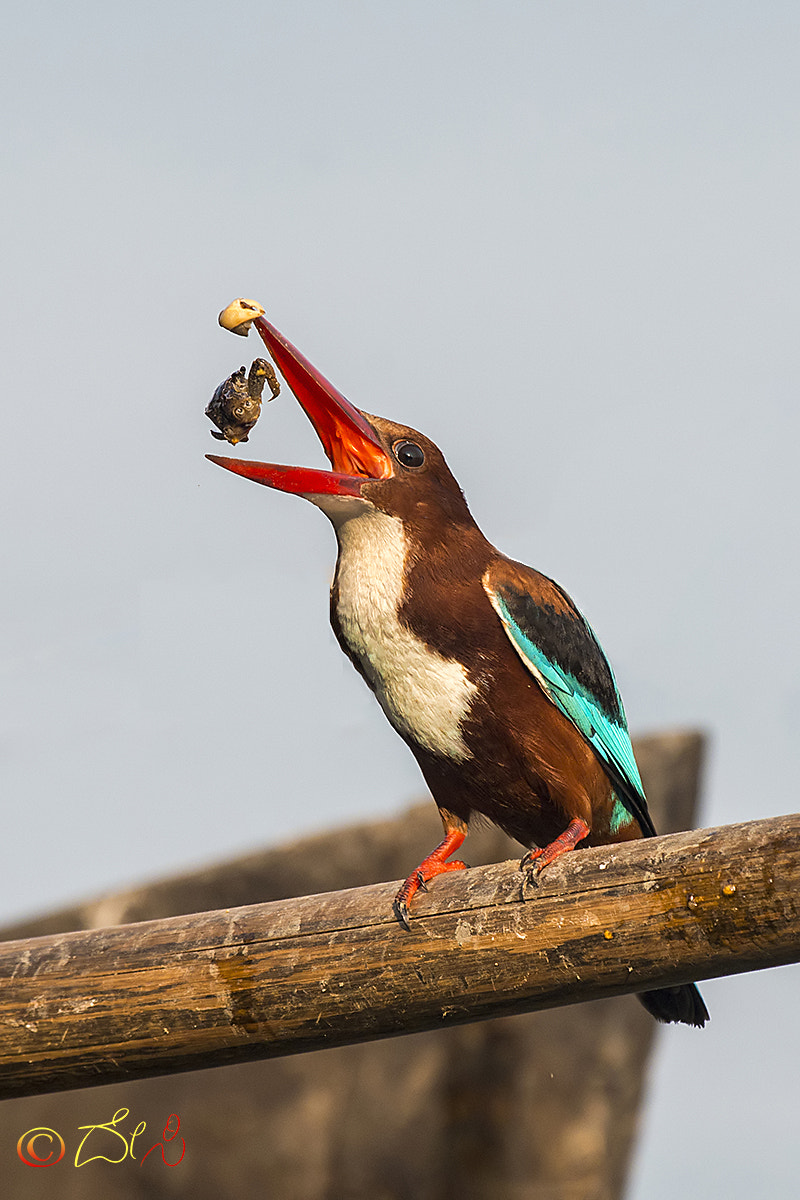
pixel 560 650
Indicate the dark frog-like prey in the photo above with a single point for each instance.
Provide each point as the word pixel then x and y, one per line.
pixel 236 404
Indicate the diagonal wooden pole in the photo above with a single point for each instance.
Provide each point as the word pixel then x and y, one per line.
pixel 234 985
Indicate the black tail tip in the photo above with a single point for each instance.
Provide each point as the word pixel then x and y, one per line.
pixel 683 1005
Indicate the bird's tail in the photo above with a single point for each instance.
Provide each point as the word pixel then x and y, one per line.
pixel 682 1004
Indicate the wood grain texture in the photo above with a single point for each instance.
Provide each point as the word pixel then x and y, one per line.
pixel 229 986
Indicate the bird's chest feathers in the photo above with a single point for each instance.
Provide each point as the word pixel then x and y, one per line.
pixel 425 695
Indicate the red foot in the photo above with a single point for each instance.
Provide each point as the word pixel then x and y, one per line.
pixel 535 861
pixel 431 866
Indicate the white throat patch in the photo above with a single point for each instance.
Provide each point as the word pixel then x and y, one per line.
pixel 424 695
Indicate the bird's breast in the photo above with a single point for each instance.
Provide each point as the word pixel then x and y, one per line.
pixel 425 695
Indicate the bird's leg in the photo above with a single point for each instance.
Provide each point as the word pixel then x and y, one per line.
pixel 433 865
pixel 535 861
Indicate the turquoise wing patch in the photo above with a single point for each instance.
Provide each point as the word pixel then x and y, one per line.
pixel 608 738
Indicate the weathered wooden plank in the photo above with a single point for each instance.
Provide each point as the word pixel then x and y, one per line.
pixel 263 980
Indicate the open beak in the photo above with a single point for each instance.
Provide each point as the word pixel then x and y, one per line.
pixel 351 444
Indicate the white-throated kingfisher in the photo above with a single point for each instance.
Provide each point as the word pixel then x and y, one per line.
pixel 485 667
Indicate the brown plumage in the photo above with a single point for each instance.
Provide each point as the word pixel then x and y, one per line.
pixel 531 771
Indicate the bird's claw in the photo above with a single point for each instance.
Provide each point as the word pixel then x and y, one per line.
pixel 401 912
pixel 532 868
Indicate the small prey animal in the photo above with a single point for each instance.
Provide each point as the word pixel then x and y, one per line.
pixel 236 404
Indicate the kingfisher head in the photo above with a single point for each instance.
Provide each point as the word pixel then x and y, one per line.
pixel 376 464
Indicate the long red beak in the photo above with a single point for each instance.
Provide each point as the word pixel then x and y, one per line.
pixel 354 449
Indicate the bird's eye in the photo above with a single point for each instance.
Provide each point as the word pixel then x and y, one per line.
pixel 409 454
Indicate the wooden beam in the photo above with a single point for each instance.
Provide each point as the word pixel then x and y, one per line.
pixel 198 991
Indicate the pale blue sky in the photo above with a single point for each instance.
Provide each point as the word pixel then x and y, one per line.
pixel 562 239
